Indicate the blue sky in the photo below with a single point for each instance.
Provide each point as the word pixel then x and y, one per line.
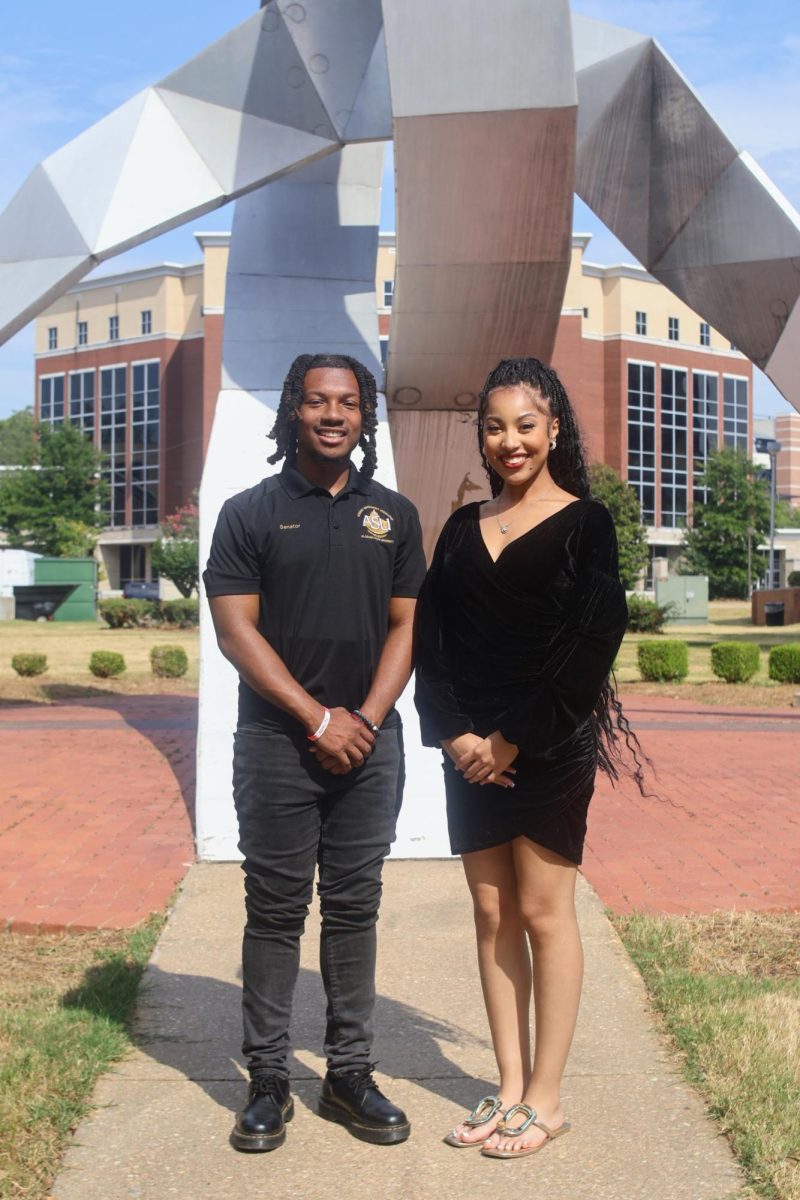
pixel 63 66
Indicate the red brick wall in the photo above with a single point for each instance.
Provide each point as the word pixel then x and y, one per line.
pixel 213 328
pixel 579 364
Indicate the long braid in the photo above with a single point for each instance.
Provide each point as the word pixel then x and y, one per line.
pixel 284 430
pixel 618 748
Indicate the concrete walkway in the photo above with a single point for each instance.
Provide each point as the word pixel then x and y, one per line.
pixel 162 1119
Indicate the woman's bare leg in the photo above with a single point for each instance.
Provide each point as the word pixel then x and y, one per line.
pixel 505 970
pixel 546 894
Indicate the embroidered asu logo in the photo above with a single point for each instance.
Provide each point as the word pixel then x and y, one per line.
pixel 375 522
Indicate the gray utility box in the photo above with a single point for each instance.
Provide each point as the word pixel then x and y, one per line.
pixel 688 594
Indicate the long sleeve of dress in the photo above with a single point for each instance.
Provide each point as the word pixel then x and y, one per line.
pixel 440 714
pixel 565 689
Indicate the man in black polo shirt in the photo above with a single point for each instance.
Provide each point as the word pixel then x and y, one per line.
pixel 312 580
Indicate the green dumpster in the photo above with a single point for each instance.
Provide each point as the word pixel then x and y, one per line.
pixel 82 604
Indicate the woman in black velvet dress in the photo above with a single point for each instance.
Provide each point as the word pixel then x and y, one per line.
pixel 518 624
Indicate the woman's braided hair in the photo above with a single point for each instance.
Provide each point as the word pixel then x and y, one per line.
pixel 284 431
pixel 618 748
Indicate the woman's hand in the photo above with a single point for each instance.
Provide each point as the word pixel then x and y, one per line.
pixel 457 746
pixel 483 760
pixel 489 760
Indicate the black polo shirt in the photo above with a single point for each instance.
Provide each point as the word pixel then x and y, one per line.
pixel 325 568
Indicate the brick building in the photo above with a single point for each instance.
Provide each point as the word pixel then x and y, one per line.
pixel 134 359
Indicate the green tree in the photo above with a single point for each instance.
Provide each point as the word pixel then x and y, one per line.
pixel 54 505
pixel 727 528
pixel 786 517
pixel 176 554
pixel 622 502
pixel 18 439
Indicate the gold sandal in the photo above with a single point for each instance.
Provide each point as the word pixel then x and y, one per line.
pixel 531 1118
pixel 483 1112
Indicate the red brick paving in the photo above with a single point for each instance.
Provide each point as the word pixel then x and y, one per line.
pixel 97 804
pixel 96 810
pixel 724 830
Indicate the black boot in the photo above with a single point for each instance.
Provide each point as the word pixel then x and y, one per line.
pixel 353 1099
pixel 262 1124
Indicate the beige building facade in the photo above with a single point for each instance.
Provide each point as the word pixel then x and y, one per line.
pixel 135 359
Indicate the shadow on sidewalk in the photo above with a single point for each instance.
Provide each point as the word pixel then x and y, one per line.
pixel 192 1024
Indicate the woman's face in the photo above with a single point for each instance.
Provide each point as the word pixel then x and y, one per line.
pixel 517 428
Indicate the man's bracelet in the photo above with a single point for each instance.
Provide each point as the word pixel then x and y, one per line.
pixel 323 725
pixel 371 726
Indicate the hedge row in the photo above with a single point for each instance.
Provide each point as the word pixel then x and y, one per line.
pixel 168 662
pixel 144 614
pixel 735 662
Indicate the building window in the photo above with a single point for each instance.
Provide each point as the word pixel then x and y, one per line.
pixel 388 293
pixel 113 329
pixel 674 457
pixel 83 333
pixel 641 323
pixel 673 329
pixel 642 437
pixel 705 333
pixel 146 442
pixel 384 350
pixel 81 402
pixel 586 314
pixel 147 321
pixel 734 413
pixel 113 423
pixel 51 399
pixel 52 338
pixel 705 419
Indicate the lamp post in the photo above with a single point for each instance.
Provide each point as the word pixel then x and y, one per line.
pixel 771 447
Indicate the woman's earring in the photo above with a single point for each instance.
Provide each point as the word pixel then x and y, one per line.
pixel 552 443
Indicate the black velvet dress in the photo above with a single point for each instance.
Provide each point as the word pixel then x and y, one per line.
pixel 522 645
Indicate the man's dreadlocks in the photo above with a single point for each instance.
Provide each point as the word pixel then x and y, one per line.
pixel 284 430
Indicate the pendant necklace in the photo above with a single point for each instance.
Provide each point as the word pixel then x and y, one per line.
pixel 504 528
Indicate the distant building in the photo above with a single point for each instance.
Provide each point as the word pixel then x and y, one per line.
pixel 134 359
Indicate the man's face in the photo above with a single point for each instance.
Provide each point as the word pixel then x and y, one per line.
pixel 329 418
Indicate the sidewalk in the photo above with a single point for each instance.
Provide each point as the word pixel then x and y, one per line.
pixel 163 1117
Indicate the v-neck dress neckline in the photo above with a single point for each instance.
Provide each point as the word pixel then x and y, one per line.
pixel 521 536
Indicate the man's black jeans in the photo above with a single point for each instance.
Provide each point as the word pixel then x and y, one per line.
pixel 293 816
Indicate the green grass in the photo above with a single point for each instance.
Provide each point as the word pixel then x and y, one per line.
pixel 69 645
pixel 65 1008
pixel 728 991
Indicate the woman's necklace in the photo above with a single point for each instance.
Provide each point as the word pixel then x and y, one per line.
pixel 504 527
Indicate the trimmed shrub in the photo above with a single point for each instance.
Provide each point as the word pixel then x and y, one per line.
pixel 784 663
pixel 29 664
pixel 645 616
pixel 735 662
pixel 663 660
pixel 105 663
pixel 130 614
pixel 184 613
pixel 169 662
pixel 794 579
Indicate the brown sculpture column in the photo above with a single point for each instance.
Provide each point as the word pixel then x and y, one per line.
pixel 484 133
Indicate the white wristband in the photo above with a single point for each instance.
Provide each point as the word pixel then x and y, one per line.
pixel 323 725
